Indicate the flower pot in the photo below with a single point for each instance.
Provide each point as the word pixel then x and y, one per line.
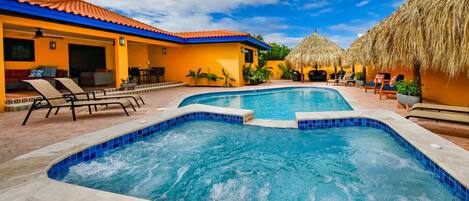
pixel 407 100
pixel 359 82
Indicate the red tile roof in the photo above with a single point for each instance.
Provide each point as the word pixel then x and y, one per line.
pixel 85 9
pixel 211 34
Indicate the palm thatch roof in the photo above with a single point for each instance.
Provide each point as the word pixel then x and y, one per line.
pixel 315 50
pixel 354 54
pixel 433 34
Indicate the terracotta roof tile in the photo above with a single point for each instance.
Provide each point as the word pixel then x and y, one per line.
pixel 211 34
pixel 85 9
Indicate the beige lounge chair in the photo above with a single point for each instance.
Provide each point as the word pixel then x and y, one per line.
pixel 437 107
pixel 439 116
pixel 81 94
pixel 347 79
pixel 52 98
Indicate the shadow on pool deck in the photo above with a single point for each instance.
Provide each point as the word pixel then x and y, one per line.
pixel 16 140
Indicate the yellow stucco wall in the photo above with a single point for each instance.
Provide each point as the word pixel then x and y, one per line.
pixel 44 56
pixel 209 57
pixel 276 72
pixel 436 86
pixel 138 55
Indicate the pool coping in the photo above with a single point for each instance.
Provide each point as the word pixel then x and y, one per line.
pixel 352 102
pixel 26 177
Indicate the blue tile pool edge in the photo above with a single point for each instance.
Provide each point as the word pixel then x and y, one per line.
pixel 249 91
pixel 59 169
pixel 439 173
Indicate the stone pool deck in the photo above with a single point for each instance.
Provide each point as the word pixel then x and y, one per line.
pixel 16 140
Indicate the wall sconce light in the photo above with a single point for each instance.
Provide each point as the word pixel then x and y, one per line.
pixel 52 45
pixel 164 50
pixel 121 41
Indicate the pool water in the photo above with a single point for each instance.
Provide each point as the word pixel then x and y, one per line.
pixel 204 160
pixel 278 104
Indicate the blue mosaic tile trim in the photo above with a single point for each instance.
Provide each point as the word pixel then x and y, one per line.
pixel 59 169
pixel 454 185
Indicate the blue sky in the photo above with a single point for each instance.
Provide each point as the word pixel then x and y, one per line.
pixel 285 22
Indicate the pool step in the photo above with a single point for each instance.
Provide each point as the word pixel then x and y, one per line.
pixel 17 105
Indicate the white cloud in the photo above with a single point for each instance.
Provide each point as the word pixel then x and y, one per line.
pixel 316 4
pixel 185 15
pixel 354 26
pixel 283 39
pixel 342 41
pixel 323 11
pixel 363 3
pixel 397 3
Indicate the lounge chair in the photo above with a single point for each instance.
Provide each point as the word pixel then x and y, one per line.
pixel 347 79
pixel 52 98
pixel 337 76
pixel 439 108
pixel 390 88
pixel 379 78
pixel 439 116
pixel 81 94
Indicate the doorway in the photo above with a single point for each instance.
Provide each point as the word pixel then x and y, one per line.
pixel 84 58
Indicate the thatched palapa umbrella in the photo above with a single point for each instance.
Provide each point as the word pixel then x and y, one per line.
pixel 315 50
pixel 422 35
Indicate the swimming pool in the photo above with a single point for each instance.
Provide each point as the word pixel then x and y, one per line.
pixel 278 104
pixel 206 160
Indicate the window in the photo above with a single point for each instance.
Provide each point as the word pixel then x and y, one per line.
pixel 18 49
pixel 248 56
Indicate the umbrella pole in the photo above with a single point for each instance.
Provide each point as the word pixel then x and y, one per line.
pixel 417 79
pixel 302 76
pixel 364 74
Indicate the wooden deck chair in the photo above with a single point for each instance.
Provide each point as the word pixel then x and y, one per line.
pixel 379 79
pixel 439 116
pixel 440 108
pixel 52 98
pixel 390 88
pixel 81 94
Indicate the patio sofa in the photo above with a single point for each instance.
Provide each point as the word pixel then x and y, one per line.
pixel 317 75
pixel 14 77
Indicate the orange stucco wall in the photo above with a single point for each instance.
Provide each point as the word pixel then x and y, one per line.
pixel 44 56
pixel 209 57
pixel 138 55
pixel 436 86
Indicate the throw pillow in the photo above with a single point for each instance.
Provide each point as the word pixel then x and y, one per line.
pixel 36 73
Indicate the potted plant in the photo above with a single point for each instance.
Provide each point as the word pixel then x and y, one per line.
pixel 408 92
pixel 359 79
pixel 196 75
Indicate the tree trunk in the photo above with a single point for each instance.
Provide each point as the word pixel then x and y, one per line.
pixel 353 68
pixel 316 66
pixel 417 79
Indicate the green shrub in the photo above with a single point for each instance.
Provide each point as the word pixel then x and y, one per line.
pixel 287 73
pixel 254 76
pixel 227 79
pixel 196 75
pixel 359 76
pixel 409 88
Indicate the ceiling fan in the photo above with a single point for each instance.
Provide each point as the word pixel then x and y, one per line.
pixel 40 34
